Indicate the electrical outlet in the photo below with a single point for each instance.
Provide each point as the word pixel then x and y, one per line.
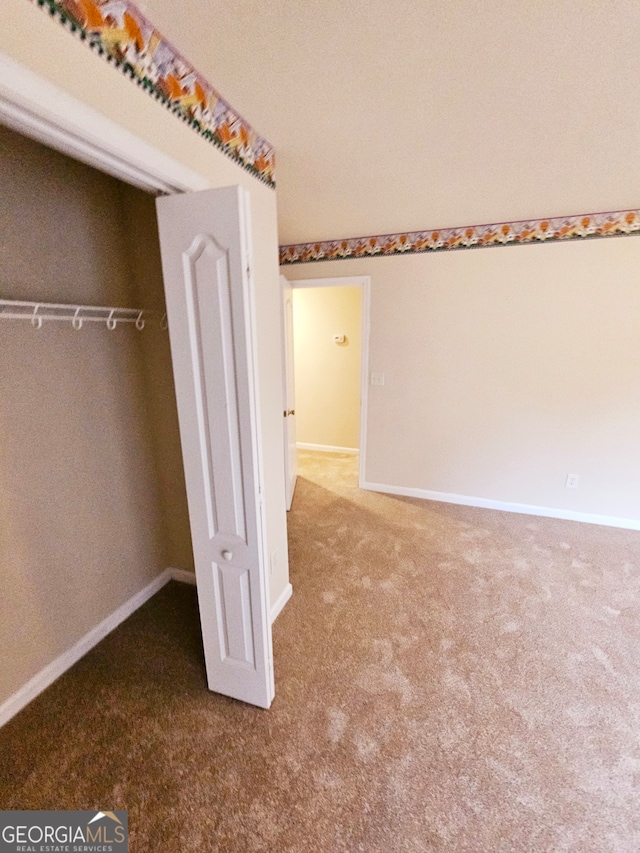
pixel 377 378
pixel 572 481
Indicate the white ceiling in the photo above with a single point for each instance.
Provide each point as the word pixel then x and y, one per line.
pixel 391 115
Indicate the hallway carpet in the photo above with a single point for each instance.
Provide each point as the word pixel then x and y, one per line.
pixel 447 679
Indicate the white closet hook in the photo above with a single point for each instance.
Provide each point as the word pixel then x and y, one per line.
pixel 111 322
pixel 140 322
pixel 76 322
pixel 36 321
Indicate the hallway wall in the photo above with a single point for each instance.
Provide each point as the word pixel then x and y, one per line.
pixel 327 374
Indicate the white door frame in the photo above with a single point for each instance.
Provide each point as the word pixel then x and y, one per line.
pixel 289 394
pixel 37 108
pixel 363 281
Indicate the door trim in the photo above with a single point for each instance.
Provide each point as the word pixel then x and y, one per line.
pixel 288 382
pixel 363 281
pixel 39 109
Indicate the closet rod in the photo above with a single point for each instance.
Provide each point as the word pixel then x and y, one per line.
pixel 38 312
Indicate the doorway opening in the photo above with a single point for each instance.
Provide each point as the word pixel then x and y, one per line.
pixel 33 108
pixel 91 483
pixel 325 377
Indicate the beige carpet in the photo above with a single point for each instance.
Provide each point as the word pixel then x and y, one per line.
pixel 447 679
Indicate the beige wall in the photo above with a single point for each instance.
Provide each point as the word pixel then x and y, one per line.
pixel 148 288
pixel 505 370
pixel 81 530
pixel 327 375
pixel 30 37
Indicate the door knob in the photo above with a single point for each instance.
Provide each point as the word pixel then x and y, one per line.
pixel 228 555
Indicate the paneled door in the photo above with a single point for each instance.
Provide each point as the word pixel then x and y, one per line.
pixel 289 394
pixel 205 246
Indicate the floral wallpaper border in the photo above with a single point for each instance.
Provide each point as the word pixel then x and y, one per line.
pixel 117 30
pixel 470 237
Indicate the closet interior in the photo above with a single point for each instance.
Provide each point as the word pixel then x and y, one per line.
pixel 92 496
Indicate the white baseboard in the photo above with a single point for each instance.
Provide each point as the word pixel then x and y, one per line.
pixel 61 664
pixel 504 506
pixel 326 448
pixel 43 679
pixel 183 576
pixel 279 603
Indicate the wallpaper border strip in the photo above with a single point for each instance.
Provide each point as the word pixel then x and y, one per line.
pixel 522 232
pixel 117 30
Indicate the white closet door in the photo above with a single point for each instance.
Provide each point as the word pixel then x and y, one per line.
pixel 290 447
pixel 204 241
